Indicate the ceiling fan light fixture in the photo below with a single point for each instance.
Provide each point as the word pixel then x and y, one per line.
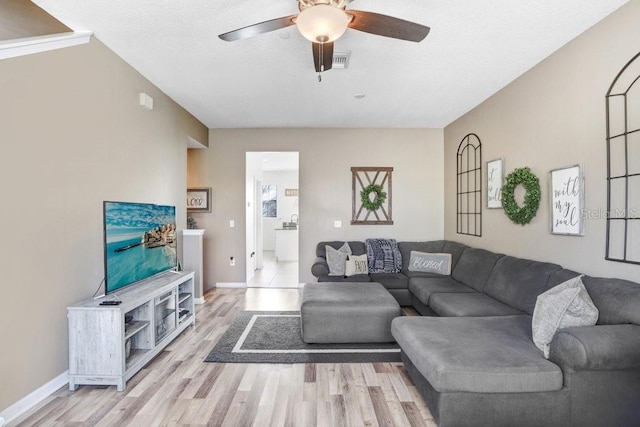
pixel 322 23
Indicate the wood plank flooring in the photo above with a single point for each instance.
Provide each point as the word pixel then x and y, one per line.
pixel 179 389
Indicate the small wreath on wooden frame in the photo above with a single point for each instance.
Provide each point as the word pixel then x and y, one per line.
pixel 376 203
pixel 521 214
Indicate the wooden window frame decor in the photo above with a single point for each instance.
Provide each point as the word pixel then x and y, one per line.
pixel 566 192
pixel 469 186
pixel 199 200
pixel 364 182
pixel 623 165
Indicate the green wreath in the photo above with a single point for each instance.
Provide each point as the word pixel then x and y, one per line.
pixel 521 214
pixel 377 202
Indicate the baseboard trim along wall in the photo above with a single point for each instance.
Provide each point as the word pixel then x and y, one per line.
pixel 34 398
pixel 198 301
pixel 231 285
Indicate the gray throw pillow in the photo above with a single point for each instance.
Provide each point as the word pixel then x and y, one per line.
pixel 430 263
pixel 567 304
pixel 336 259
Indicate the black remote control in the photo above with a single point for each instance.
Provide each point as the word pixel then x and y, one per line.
pixel 110 302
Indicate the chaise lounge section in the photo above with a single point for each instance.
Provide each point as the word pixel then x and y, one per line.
pixel 472 354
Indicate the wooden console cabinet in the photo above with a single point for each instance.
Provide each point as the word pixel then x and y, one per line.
pixel 109 344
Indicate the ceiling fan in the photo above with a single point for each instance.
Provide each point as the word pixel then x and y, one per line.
pixel 323 21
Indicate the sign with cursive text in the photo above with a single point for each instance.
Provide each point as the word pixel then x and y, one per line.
pixel 495 179
pixel 566 188
pixel 199 200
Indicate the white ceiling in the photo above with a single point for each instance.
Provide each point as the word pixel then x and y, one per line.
pixel 474 49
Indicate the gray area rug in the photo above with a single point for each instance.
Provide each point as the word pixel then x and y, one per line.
pixel 275 337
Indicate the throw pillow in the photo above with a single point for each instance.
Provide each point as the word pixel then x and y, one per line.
pixel 336 259
pixel 430 263
pixel 356 264
pixel 567 304
pixel 383 256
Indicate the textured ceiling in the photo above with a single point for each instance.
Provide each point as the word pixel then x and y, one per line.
pixel 474 49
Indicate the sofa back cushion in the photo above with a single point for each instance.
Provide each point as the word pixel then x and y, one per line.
pixel 518 282
pixel 560 276
pixel 357 248
pixel 617 300
pixel 474 267
pixel 455 249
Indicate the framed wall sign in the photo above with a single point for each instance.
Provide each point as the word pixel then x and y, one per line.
pixel 199 199
pixel 566 189
pixel 495 180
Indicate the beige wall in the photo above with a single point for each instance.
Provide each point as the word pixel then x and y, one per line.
pixel 326 156
pixel 552 117
pixel 72 135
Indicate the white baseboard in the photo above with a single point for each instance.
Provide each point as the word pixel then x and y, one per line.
pixel 197 301
pixel 34 398
pixel 231 285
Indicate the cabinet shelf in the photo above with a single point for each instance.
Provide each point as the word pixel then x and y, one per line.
pixel 132 328
pixel 104 350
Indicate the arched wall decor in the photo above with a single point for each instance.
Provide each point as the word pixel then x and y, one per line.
pixel 623 165
pixel 469 186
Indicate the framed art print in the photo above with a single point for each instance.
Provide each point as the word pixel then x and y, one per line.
pixel 566 190
pixel 199 200
pixel 495 179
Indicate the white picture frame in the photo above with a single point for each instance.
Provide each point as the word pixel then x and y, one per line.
pixel 495 181
pixel 566 204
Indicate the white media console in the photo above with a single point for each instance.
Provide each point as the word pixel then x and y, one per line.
pixel 109 344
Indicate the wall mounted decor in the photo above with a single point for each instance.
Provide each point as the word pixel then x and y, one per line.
pixel 371 195
pixel 495 180
pixel 566 193
pixel 199 200
pixel 469 186
pixel 623 165
pixel 521 214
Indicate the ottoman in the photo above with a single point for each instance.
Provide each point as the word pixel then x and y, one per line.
pixel 338 312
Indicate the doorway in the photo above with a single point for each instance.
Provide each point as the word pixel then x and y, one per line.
pixel 273 219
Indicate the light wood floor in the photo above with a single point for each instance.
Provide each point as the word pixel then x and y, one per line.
pixel 178 388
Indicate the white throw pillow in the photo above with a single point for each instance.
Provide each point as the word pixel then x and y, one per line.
pixel 430 262
pixel 567 304
pixel 356 264
pixel 336 259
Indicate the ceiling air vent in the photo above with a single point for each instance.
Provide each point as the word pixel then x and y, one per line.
pixel 341 59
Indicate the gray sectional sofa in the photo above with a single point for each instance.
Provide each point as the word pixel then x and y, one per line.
pixel 472 355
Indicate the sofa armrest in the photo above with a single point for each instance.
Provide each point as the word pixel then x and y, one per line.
pixel 599 347
pixel 320 267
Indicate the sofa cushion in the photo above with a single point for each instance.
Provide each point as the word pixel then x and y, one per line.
pixel 469 304
pixel 423 287
pixel 474 267
pixel 562 306
pixel 480 354
pixel 617 300
pixel 357 248
pixel 391 280
pixel 518 282
pixel 355 278
pixel 455 249
pixel 560 276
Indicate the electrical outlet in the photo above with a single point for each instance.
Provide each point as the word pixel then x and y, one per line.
pixel 232 262
pixel 337 224
pixel 232 223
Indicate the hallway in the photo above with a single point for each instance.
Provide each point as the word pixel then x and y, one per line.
pixel 275 274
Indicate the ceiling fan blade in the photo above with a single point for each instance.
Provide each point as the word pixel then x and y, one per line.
pixel 322 56
pixel 388 26
pixel 259 28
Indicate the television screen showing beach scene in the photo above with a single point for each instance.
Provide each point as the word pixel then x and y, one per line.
pixel 139 242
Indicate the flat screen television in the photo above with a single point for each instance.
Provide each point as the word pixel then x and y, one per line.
pixel 139 242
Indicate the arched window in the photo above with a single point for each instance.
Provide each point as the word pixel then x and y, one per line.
pixel 469 187
pixel 623 165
